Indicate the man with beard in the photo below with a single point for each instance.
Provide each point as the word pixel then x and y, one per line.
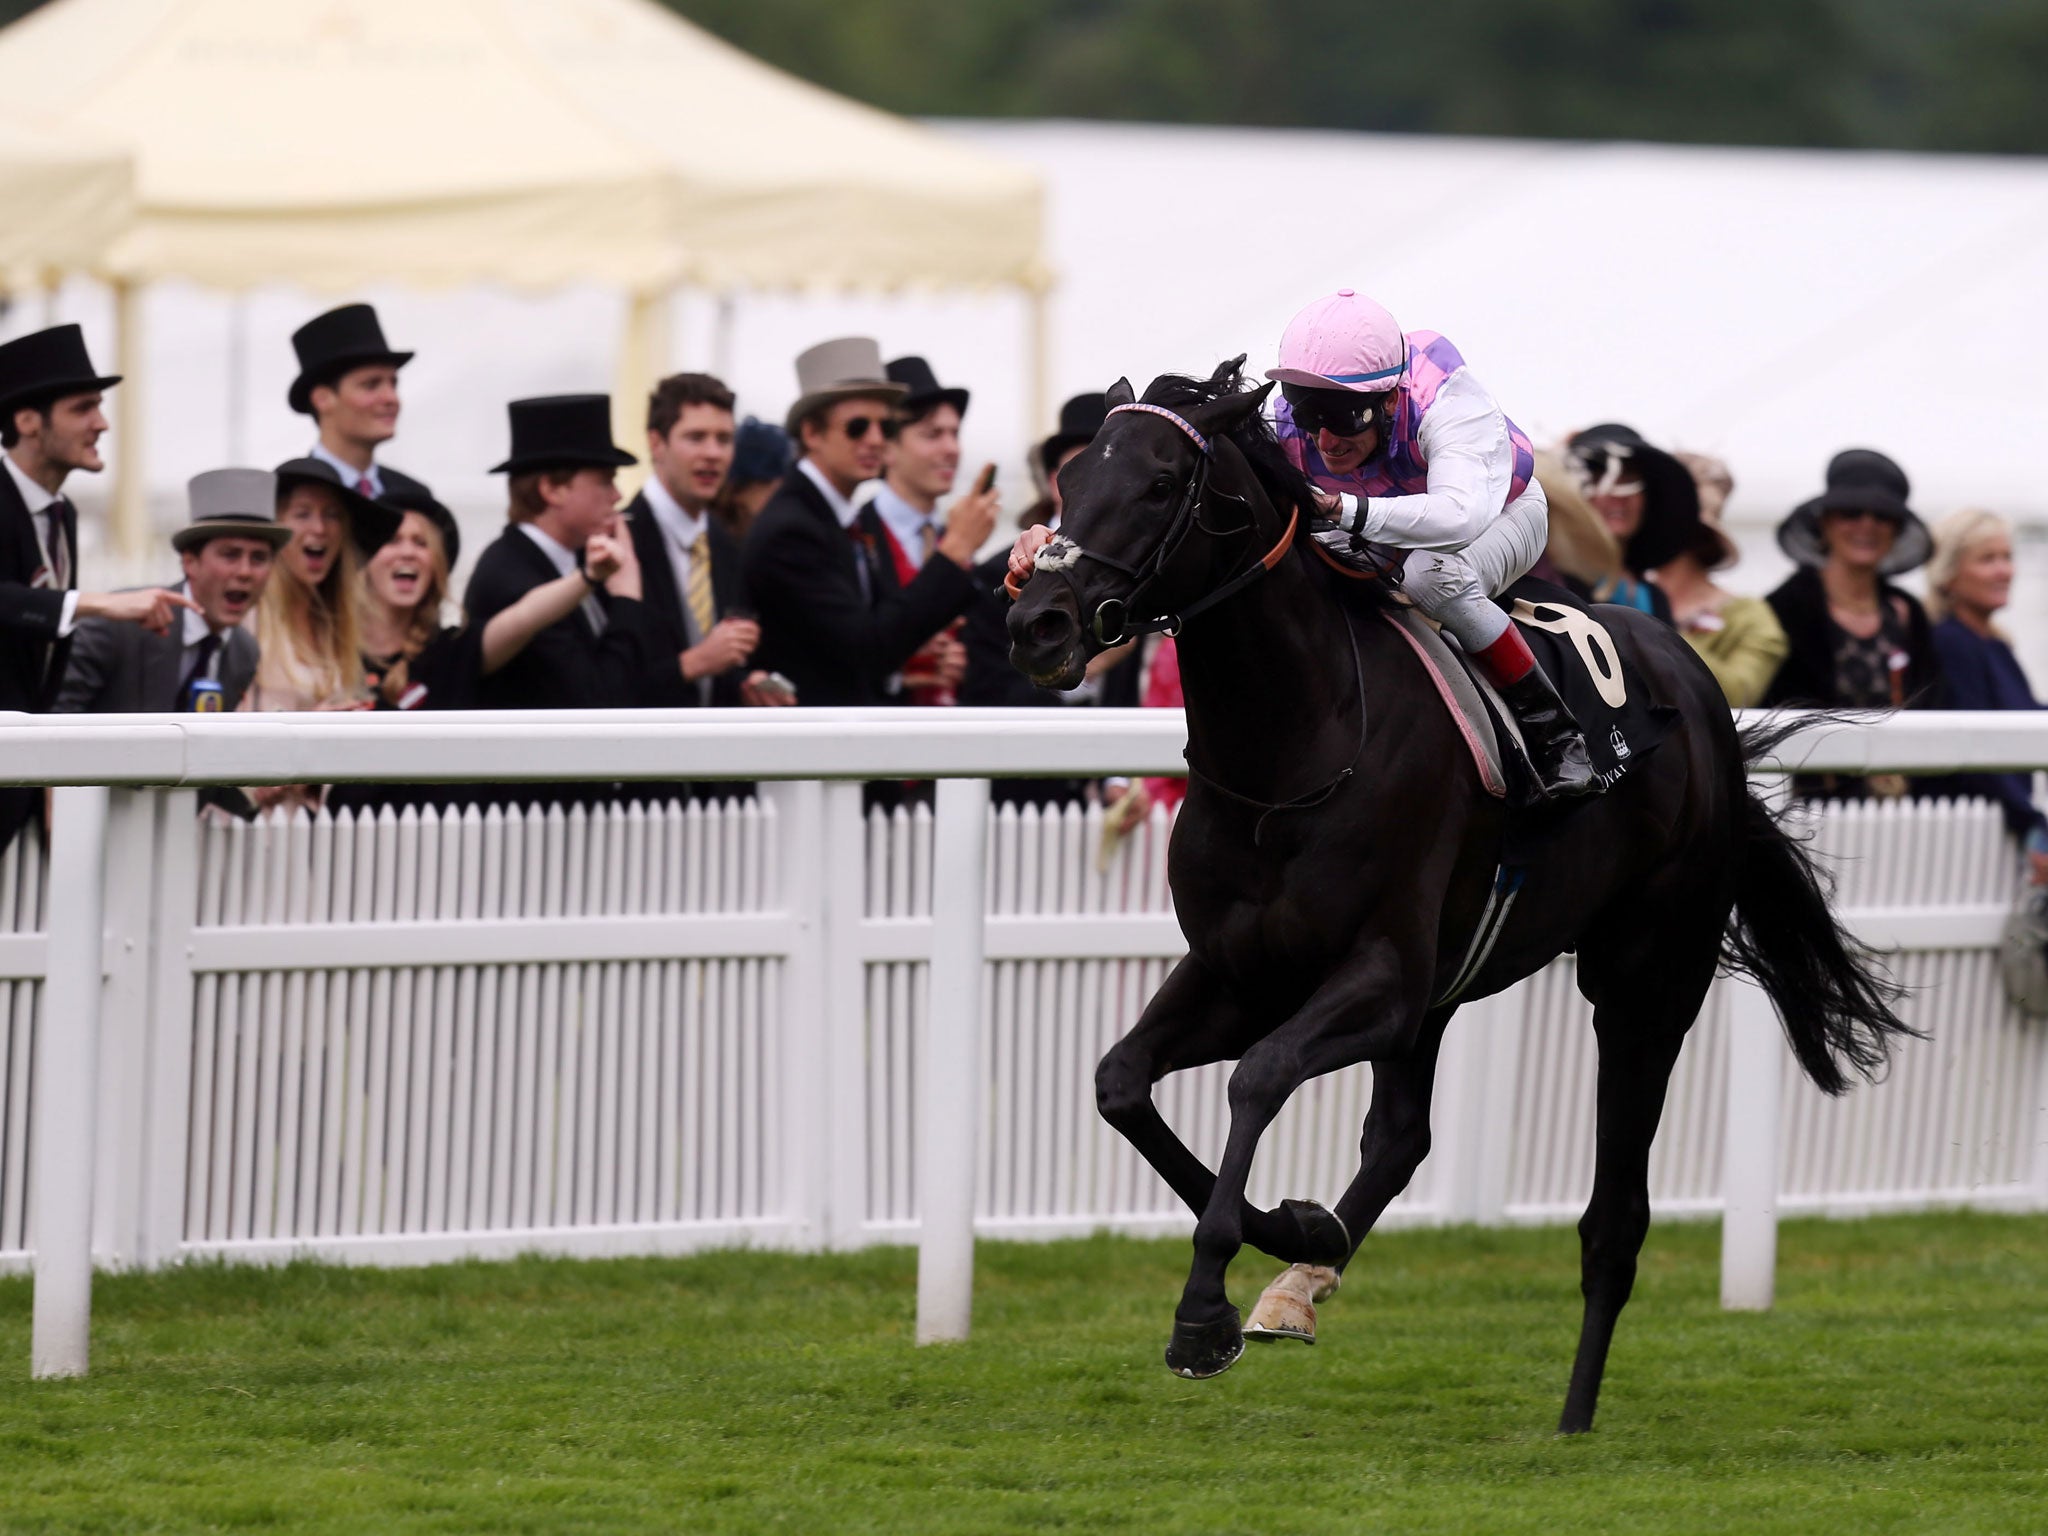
pixel 206 664
pixel 50 425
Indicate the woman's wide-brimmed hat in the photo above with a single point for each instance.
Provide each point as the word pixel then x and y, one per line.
pixel 1611 459
pixel 1080 419
pixel 1860 480
pixel 330 345
pixel 232 504
pixel 370 523
pixel 562 432
pixel 849 368
pixel 48 365
pixel 417 499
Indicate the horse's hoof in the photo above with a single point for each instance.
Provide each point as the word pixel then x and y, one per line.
pixel 1324 1240
pixel 1201 1350
pixel 1287 1307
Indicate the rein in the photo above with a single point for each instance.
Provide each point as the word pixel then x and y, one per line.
pixel 1112 623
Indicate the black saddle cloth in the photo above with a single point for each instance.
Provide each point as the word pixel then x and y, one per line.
pixel 1606 694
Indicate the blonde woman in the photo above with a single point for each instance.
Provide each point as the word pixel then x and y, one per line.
pixel 411 659
pixel 1969 580
pixel 306 623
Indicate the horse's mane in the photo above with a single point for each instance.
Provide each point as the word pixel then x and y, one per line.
pixel 1288 487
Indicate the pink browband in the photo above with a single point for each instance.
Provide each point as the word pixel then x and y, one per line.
pixel 1194 435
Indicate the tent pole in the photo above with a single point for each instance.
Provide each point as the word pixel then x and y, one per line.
pixel 643 358
pixel 131 493
pixel 1038 321
pixel 721 335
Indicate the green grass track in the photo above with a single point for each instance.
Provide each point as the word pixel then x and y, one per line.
pixel 1901 1385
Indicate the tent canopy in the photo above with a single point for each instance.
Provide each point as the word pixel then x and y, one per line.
pixel 67 198
pixel 529 142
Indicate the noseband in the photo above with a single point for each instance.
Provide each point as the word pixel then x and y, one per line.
pixel 1113 624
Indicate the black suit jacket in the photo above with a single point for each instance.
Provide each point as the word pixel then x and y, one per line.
pixel 817 629
pixel 32 658
pixel 668 629
pixel 398 480
pixel 566 665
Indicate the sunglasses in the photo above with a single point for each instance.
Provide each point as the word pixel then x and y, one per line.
pixel 1864 514
pixel 1338 411
pixel 858 427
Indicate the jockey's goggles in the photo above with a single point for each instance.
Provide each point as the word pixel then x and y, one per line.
pixel 1340 411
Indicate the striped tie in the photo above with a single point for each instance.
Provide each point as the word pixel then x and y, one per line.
pixel 702 612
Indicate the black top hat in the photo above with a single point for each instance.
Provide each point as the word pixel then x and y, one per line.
pixel 915 375
pixel 1859 480
pixel 329 345
pixel 370 523
pixel 1080 419
pixel 48 365
pixel 418 500
pixel 563 432
pixel 1616 454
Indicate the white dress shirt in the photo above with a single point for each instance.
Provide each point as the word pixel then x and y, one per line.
pixel 843 507
pixel 563 559
pixel 905 523
pixel 38 500
pixel 350 475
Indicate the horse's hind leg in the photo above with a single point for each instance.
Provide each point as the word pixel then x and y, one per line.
pixel 1640 1017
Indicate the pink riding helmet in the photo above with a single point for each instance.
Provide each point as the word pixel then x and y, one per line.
pixel 1343 342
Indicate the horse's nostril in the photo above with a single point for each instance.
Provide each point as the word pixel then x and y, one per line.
pixel 1049 628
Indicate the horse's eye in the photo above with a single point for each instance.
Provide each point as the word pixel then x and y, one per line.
pixel 1162 485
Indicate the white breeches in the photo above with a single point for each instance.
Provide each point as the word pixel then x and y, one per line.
pixel 1456 587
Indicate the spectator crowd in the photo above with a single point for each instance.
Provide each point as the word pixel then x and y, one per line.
pixel 834 559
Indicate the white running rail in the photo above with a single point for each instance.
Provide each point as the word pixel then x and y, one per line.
pixel 413 1038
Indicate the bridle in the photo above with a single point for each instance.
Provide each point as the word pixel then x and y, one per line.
pixel 1112 623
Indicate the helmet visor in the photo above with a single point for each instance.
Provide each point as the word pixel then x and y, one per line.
pixel 1343 412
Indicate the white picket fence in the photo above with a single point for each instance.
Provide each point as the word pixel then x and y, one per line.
pixel 412 1038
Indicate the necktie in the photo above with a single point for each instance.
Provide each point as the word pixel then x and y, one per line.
pixel 198 663
pixel 594 614
pixel 60 548
pixel 365 488
pixel 927 540
pixel 703 613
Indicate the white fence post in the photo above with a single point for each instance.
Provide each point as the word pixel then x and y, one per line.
pixel 166 1121
pixel 124 1013
pixel 1749 1159
pixel 844 907
pixel 950 1103
pixel 805 1024
pixel 63 1112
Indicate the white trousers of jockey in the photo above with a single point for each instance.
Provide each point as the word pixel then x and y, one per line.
pixel 1412 452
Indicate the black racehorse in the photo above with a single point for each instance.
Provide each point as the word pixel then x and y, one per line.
pixel 1337 848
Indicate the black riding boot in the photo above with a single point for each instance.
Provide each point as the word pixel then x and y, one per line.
pixel 1557 748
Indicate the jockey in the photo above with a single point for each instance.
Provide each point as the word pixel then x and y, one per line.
pixel 1409 451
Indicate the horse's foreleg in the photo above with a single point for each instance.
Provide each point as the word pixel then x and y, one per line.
pixel 1191 1022
pixel 1390 1148
pixel 1354 1015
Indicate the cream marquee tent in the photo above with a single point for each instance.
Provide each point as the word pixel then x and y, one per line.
pixel 66 197
pixel 333 143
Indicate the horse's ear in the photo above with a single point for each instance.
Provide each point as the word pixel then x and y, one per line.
pixel 1120 393
pixel 1222 417
pixel 1228 370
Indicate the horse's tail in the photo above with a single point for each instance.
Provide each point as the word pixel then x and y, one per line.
pixel 1836 1003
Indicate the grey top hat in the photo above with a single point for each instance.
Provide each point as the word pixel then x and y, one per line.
pixel 849 368
pixel 232 503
